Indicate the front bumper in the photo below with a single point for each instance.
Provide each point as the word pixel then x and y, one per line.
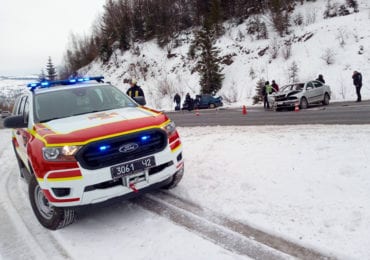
pixel 95 186
pixel 285 104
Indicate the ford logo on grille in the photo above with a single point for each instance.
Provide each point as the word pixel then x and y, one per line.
pixel 127 148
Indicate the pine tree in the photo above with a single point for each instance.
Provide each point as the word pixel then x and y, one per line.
pixel 51 73
pixel 259 97
pixel 208 65
pixel 42 75
pixel 293 72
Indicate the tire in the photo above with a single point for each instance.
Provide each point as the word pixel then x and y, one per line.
pixel 173 180
pixel 326 100
pixel 212 106
pixel 304 103
pixel 49 216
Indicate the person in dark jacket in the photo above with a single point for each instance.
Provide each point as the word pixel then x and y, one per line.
pixel 357 81
pixel 189 103
pixel 321 78
pixel 275 87
pixel 135 90
pixel 177 100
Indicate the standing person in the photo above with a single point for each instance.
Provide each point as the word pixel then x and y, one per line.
pixel 357 81
pixel 275 87
pixel 177 100
pixel 189 102
pixel 267 91
pixel 321 78
pixel 135 91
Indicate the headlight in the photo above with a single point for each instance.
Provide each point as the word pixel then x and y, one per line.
pixel 170 128
pixel 64 153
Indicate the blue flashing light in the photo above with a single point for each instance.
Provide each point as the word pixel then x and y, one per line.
pixel 145 138
pixel 104 148
pixel 44 84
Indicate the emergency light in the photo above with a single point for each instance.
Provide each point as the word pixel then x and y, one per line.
pixel 46 84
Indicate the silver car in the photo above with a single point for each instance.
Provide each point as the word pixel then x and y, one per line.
pixel 301 94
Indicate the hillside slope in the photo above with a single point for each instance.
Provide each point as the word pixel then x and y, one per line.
pixel 345 38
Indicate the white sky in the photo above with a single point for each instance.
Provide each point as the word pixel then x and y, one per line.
pixel 33 30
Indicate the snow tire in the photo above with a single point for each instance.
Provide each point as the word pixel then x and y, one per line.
pixel 49 216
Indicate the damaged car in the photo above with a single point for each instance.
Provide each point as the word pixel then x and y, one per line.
pixel 301 94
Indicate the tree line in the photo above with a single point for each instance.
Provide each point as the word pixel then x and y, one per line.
pixel 124 23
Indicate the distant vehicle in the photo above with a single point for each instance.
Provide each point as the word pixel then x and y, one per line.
pixel 5 114
pixel 207 101
pixel 303 94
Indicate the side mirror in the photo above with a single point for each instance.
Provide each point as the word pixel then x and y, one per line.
pixel 140 100
pixel 15 122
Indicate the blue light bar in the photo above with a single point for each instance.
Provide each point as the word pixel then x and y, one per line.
pixel 45 84
pixel 145 138
pixel 104 148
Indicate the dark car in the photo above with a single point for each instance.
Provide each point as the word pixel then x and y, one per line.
pixel 207 101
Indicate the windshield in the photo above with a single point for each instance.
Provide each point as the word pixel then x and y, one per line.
pixel 298 86
pixel 79 100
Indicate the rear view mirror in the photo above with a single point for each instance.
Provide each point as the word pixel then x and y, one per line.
pixel 15 122
pixel 140 100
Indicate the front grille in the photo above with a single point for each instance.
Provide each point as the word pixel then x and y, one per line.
pixel 280 98
pixel 120 149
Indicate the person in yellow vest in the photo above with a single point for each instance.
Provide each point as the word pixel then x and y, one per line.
pixel 267 90
pixel 135 90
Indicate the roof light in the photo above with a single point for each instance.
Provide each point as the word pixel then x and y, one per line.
pixel 44 84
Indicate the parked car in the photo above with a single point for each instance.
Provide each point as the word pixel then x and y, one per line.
pixel 5 114
pixel 88 143
pixel 303 94
pixel 207 101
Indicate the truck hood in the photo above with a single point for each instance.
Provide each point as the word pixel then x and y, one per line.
pixel 81 129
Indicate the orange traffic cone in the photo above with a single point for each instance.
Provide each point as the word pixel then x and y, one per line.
pixel 296 107
pixel 197 112
pixel 244 111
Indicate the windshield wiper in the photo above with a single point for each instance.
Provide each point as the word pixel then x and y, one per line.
pixel 51 119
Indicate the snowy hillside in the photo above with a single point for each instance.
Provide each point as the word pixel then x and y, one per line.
pixel 345 38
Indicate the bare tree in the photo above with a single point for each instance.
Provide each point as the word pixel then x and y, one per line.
pixel 341 37
pixel 287 50
pixel 274 48
pixel 328 56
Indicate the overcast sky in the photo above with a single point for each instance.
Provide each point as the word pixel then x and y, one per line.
pixel 33 30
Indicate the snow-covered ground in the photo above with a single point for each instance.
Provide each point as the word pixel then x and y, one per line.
pixel 309 184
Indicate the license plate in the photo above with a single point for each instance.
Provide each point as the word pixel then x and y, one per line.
pixel 128 168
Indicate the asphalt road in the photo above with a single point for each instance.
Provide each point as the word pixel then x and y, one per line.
pixel 335 113
pixel 343 113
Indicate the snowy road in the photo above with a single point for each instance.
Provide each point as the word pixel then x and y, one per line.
pixel 313 193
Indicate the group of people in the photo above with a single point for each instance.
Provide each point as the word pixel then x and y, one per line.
pixel 267 90
pixel 136 91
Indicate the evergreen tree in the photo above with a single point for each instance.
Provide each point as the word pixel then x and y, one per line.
pixel 51 73
pixel 259 97
pixel 42 75
pixel 208 64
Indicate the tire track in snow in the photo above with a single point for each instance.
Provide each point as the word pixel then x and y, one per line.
pixel 22 237
pixel 232 235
